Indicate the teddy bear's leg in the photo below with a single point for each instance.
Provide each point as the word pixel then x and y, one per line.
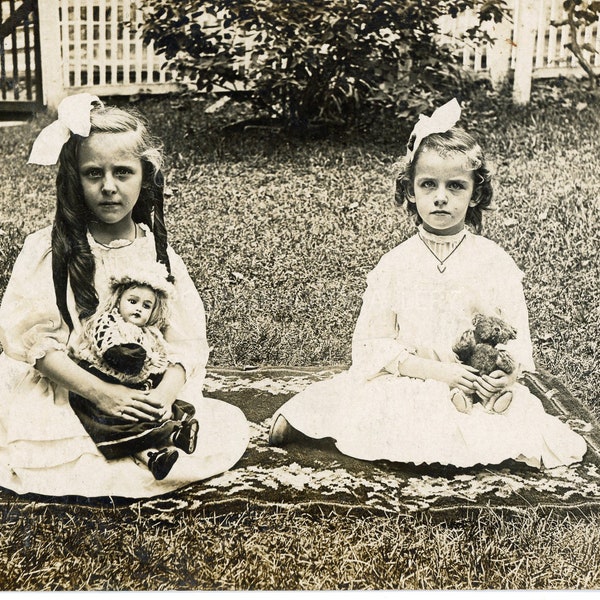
pixel 503 402
pixel 461 401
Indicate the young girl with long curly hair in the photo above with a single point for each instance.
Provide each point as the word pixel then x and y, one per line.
pixel 109 213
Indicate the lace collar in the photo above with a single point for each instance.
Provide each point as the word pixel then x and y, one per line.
pixel 115 244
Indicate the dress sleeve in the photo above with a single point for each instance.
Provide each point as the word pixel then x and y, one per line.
pixel 30 322
pixel 375 346
pixel 186 333
pixel 513 309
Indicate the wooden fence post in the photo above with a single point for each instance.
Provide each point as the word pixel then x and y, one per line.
pixel 500 52
pixel 52 83
pixel 526 29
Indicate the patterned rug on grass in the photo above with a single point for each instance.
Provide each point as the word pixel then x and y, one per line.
pixel 315 477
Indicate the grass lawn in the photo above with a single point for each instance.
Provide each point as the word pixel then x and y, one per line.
pixel 279 234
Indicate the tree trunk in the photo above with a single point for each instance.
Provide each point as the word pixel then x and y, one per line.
pixel 576 48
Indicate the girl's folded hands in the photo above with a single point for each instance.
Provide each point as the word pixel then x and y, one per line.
pixel 490 387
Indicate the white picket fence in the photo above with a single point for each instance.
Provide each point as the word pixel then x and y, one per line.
pixel 551 57
pixel 88 45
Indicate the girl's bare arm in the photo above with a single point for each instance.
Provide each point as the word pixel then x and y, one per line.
pixel 456 375
pixel 112 399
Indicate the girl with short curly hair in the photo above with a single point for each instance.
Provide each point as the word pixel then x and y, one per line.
pixel 406 397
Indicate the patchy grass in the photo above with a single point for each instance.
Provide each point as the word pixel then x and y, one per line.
pixel 50 549
pixel 279 234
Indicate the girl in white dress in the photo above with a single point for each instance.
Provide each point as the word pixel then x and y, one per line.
pixel 109 217
pixel 396 400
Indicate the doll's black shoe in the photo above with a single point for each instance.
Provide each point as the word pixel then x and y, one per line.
pixel 161 462
pixel 186 437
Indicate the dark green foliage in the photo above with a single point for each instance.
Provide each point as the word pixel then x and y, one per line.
pixel 310 61
pixel 584 11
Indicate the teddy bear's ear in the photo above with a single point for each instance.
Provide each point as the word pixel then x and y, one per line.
pixel 477 318
pixel 483 328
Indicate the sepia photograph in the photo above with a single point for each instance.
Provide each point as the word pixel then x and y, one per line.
pixel 299 295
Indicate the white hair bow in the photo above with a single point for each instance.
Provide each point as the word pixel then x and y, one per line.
pixel 73 116
pixel 442 119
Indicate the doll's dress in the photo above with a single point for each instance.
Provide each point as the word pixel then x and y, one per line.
pixel 139 361
pixel 409 306
pixel 109 330
pixel 43 446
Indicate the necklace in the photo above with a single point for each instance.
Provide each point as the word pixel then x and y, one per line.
pixel 441 267
pixel 121 245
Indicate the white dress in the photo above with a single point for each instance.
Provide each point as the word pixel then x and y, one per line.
pixel 411 307
pixel 43 446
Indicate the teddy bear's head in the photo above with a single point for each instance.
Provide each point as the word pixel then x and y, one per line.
pixel 492 330
pixel 477 346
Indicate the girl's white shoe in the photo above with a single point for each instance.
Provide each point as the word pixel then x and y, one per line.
pixel 280 432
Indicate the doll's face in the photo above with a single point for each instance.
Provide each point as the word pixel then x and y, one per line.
pixel 136 305
pixel 443 191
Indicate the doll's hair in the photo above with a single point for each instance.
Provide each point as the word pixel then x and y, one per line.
pixel 71 253
pixel 159 316
pixel 453 141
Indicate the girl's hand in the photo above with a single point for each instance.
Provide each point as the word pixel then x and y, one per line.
pixel 456 375
pixel 163 402
pixel 125 403
pixel 163 396
pixel 490 387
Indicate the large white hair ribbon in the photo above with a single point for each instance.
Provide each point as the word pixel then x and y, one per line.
pixel 442 119
pixel 73 117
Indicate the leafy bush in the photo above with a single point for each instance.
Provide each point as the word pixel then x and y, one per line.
pixel 313 60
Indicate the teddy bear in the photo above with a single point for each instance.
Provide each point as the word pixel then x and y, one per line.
pixel 478 347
